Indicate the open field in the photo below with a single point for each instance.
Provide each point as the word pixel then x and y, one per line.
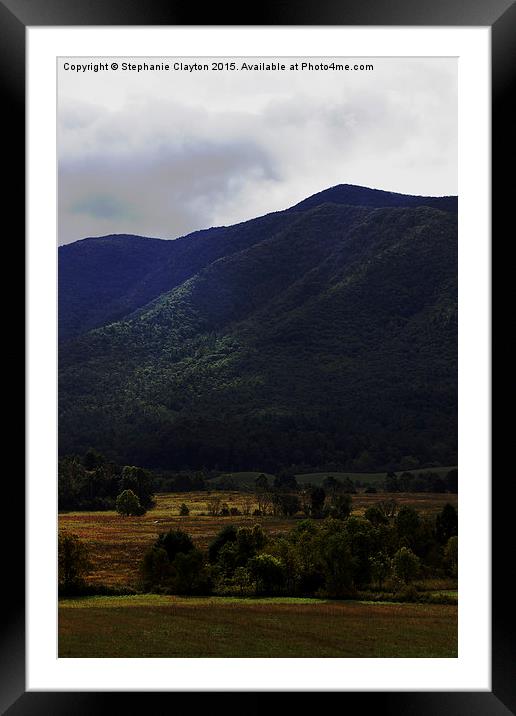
pixel 117 544
pixel 166 626
pixel 369 479
pixel 170 626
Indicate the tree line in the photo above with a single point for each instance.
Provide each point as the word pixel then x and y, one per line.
pixel 91 482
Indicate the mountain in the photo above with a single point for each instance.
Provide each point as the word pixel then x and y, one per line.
pixel 103 279
pixel 324 335
pixel 352 195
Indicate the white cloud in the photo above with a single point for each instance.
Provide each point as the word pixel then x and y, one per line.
pixel 165 154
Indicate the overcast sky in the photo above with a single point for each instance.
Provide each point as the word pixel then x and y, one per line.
pixel 163 154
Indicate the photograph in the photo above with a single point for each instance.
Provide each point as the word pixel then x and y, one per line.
pixel 258 324
pixel 258 247
pixel 257 357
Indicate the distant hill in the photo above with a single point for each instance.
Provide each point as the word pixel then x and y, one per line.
pixel 247 480
pixel 325 335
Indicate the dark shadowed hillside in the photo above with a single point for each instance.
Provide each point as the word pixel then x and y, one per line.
pixel 104 279
pixel 323 335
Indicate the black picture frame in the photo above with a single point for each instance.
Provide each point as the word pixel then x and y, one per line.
pixel 500 16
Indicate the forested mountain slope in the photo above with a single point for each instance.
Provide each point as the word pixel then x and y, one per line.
pixel 323 335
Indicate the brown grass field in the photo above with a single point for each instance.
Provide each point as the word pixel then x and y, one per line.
pixel 117 544
pixel 166 626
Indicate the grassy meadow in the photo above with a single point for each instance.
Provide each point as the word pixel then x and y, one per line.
pixel 117 544
pixel 170 626
pixel 152 625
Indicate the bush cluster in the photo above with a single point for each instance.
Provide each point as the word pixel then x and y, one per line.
pixel 386 549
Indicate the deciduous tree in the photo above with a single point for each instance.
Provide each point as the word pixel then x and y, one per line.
pixel 127 503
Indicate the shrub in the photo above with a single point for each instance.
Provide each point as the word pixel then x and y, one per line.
pixel 267 572
pixel 340 506
pixel 227 534
pixel 189 574
pixel 376 516
pixel 174 542
pixel 405 565
pixel 184 510
pixel 242 580
pixel 305 526
pixel 407 593
pixel 73 563
pixel 155 569
pixel 174 566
